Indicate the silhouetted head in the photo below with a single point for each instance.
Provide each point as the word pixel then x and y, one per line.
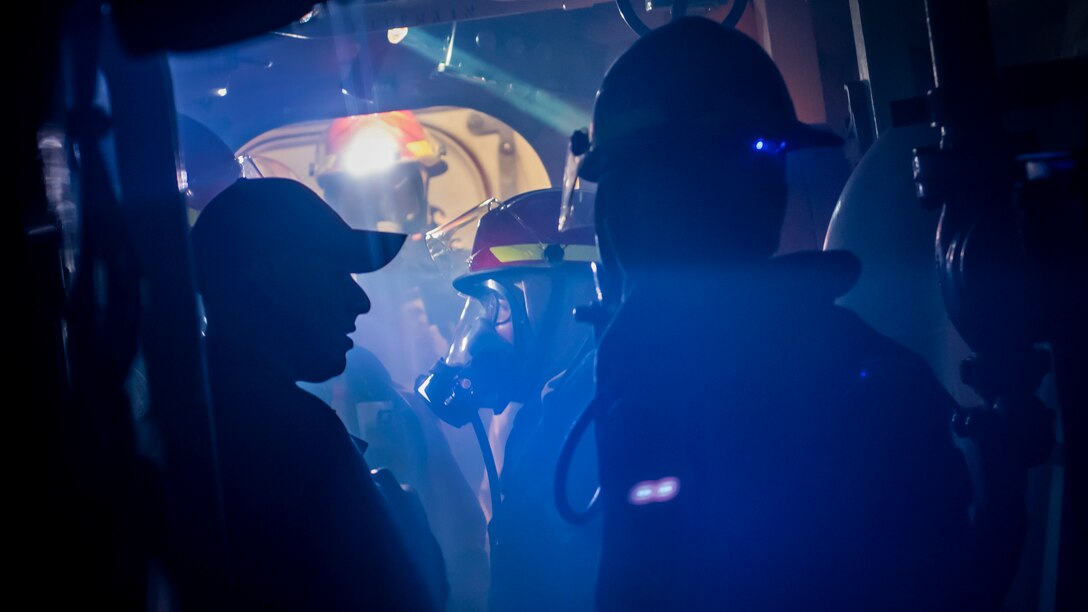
pixel 688 141
pixel 274 265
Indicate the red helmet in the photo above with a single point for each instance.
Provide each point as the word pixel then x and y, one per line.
pixel 523 278
pixel 375 168
pixel 520 233
pixel 362 144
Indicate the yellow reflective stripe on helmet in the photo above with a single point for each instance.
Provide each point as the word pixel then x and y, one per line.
pixel 518 252
pixel 581 252
pixel 535 252
pixel 420 148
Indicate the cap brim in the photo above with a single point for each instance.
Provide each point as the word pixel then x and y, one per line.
pixel 367 250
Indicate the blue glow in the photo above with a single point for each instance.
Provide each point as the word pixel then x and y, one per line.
pixel 768 147
pixel 863 374
pixel 654 491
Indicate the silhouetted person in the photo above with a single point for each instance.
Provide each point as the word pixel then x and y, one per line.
pixel 375 171
pixel 307 527
pixel 404 436
pixel 760 447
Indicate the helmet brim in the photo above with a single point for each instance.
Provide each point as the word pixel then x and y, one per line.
pixel 796 136
pixel 805 136
pixel 474 283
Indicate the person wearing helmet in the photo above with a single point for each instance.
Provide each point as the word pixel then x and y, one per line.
pixel 760 448
pixel 375 168
pixel 519 351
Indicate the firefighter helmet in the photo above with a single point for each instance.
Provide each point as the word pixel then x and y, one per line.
pixel 691 84
pixel 519 233
pixel 374 170
pixel 523 277
pixel 362 144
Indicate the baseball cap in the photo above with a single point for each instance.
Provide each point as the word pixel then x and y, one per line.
pixel 255 217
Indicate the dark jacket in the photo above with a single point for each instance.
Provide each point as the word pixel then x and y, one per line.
pixel 538 560
pixel 307 528
pixel 812 458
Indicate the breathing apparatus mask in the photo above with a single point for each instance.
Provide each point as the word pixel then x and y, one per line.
pixel 517 276
pixel 480 369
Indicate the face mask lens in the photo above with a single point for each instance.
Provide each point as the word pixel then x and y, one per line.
pixel 459 353
pixel 497 309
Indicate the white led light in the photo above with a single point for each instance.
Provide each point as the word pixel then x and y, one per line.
pixel 371 151
pixel 396 35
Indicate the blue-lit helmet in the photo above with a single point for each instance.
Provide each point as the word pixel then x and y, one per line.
pixel 690 85
pixel 692 123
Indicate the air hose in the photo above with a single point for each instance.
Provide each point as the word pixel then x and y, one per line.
pixel 489 463
pixel 562 468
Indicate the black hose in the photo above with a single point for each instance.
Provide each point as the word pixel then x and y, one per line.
pixel 631 18
pixel 562 469
pixel 489 463
pixel 735 13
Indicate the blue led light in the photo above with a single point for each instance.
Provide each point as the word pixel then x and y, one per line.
pixel 769 147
